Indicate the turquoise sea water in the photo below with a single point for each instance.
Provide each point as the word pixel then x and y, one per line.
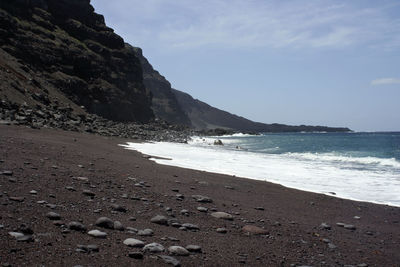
pixel 359 166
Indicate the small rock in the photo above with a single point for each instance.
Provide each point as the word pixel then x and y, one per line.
pixel 340 224
pixel 105 223
pixel 33 192
pixel 97 233
pixel 53 216
pixel 259 208
pixel 357 217
pixel 222 215
pixel 325 226
pixel 184 212
pixel 349 227
pixel 154 248
pixel 76 226
pixel 145 232
pixel 190 226
pixel 136 255
pixel 222 230
pixel 202 209
pixel 170 260
pixel 117 207
pixel 331 246
pixel 252 229
pixel 7 173
pixel 88 193
pixel 193 248
pixel 17 199
pixel 178 250
pixel 132 242
pixel 202 199
pixel 159 219
pixel 118 226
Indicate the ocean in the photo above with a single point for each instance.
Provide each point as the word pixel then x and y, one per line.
pixel 357 166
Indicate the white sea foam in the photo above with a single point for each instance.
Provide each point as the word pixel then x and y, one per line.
pixel 321 173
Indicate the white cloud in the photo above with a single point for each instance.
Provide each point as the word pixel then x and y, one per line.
pixel 385 81
pixel 257 23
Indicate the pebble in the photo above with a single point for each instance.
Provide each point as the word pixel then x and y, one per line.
pixel 70 188
pixel 170 260
pixel 222 215
pixel 105 223
pixel 203 199
pixel 229 187
pixel 33 192
pixel 7 173
pixel 146 232
pixel 136 255
pixel 252 229
pixel 259 208
pixel 88 248
pixel 349 227
pixel 159 219
pixel 325 226
pixel 340 224
pixel 190 226
pixel 53 216
pixel 132 242
pixel 118 226
pixel 178 250
pixel 202 209
pixel 17 199
pixel 97 233
pixel 184 212
pixel 88 193
pixel 154 248
pixel 77 226
pixel 193 248
pixel 222 230
pixel 331 246
pixel 117 207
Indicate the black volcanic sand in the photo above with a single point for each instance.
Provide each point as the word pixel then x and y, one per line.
pixel 50 162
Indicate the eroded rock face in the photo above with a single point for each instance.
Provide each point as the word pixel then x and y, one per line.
pixel 72 48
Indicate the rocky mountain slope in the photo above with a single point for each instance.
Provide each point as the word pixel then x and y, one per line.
pixel 204 116
pixel 68 54
pixel 164 102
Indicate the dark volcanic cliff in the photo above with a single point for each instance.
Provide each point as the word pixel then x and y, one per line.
pixel 164 103
pixel 66 49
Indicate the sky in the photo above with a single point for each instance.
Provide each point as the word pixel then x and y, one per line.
pixel 314 62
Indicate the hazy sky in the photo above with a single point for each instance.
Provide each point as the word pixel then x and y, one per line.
pixel 316 62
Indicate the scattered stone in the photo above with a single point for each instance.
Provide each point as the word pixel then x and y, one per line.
pixel 202 209
pixel 357 217
pixel 340 224
pixel 184 212
pixel 259 208
pixel 132 242
pixel 136 255
pixel 159 219
pixel 154 248
pixel 203 199
pixel 119 208
pixel 87 249
pixel 33 192
pixel 53 216
pixel 222 230
pixel 222 215
pixel 70 188
pixel 7 173
pixel 331 246
pixel 229 187
pixel 76 226
pixel 193 248
pixel 170 260
pixel 190 226
pixel 349 227
pixel 178 250
pixel 97 233
pixel 325 226
pixel 255 230
pixel 145 232
pixel 118 226
pixel 218 142
pixel 17 199
pixel 105 223
pixel 88 193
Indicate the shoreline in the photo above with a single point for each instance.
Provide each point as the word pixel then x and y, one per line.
pixel 47 161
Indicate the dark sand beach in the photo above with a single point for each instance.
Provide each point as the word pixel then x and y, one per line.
pixel 82 177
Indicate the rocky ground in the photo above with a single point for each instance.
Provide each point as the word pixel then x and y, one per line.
pixel 79 199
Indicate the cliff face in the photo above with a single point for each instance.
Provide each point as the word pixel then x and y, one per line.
pixel 206 117
pixel 66 44
pixel 164 103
